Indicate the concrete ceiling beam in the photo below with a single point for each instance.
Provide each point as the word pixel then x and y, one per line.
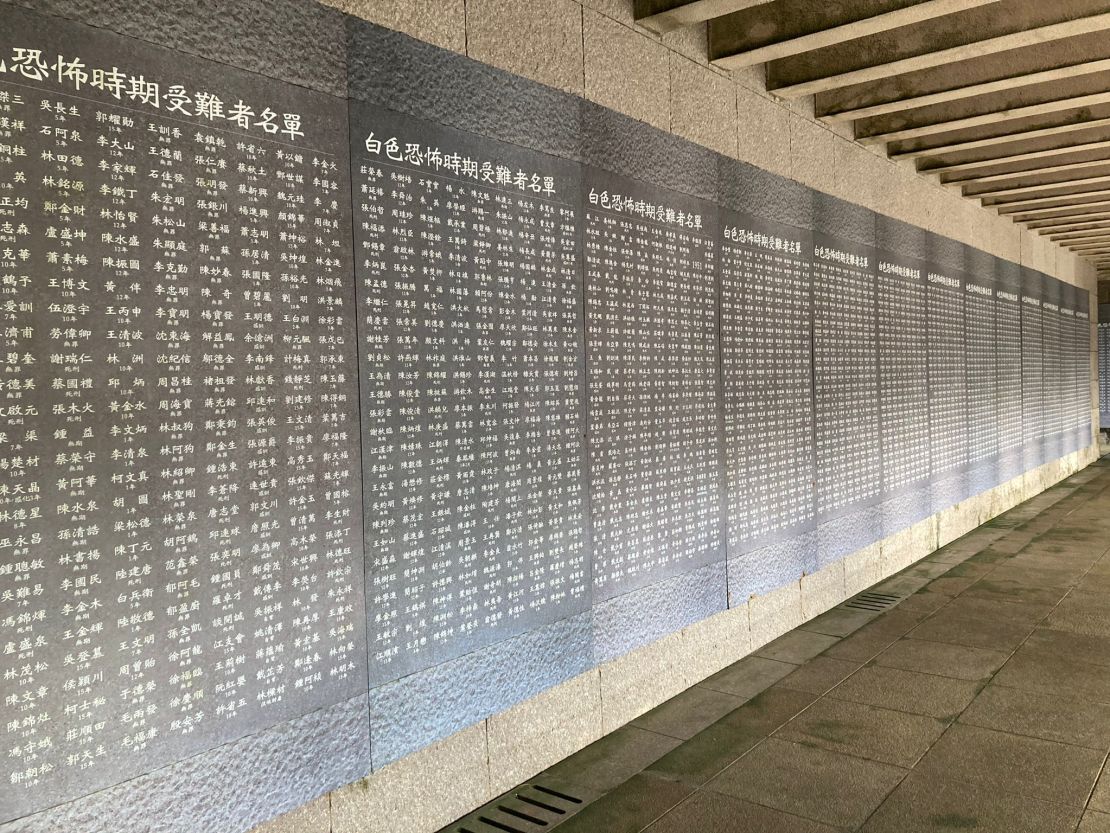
pixel 662 16
pixel 785 28
pixel 1091 221
pixel 1072 213
pixel 971 32
pixel 1024 164
pixel 1056 201
pixel 1101 233
pixel 997 140
pixel 1007 71
pixel 880 130
pixel 1070 186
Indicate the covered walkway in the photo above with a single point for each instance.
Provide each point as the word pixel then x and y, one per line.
pixel 969 693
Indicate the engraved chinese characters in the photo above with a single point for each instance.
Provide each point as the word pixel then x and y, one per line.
pixel 1008 348
pixel 1032 371
pixel 766 343
pixel 472 384
pixel 846 383
pixel 903 387
pixel 651 301
pixel 948 391
pixel 1056 374
pixel 181 560
pixel 1104 363
pixel 982 346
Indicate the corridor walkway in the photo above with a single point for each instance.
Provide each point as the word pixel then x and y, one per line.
pixel 979 702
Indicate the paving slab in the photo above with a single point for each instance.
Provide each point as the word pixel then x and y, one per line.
pixel 711 812
pixel 797 647
pixel 908 691
pixel 749 676
pixel 882 735
pixel 718 745
pixel 929 805
pixel 1048 716
pixel 942 659
pixel 1032 767
pixel 839 789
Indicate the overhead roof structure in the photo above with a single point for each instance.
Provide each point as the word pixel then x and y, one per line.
pixel 1006 100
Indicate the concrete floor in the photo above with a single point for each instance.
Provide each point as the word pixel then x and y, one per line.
pixel 979 702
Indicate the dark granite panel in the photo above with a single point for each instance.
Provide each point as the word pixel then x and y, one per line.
pixel 1032 369
pixel 768 568
pixel 902 239
pixel 654 414
pixel 767 378
pixel 291 40
pixel 982 347
pixel 627 147
pixel 409 76
pixel 229 789
pixel 903 378
pixel 624 623
pixel 188 495
pixel 1103 358
pixel 945 254
pixel 845 376
pixel 1055 378
pixel 469 276
pixel 745 188
pixel 424 707
pixel 834 217
pixel 1008 359
pixel 948 391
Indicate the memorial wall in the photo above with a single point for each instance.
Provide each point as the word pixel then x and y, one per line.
pixel 334 423
pixel 1104 364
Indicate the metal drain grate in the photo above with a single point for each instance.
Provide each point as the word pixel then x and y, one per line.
pixel 872 601
pixel 528 808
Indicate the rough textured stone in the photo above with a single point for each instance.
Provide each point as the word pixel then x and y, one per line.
pixel 862 569
pixel 717 641
pixel 314 817
pixel 822 590
pixel 409 76
pixel 543 730
pixel 904 548
pixel 439 23
pixel 424 791
pixel 641 680
pixel 626 71
pixel 546 44
pixel 775 613
pixel 290 40
pixel 434 703
pixel 632 620
pixel 230 788
pixel 703 105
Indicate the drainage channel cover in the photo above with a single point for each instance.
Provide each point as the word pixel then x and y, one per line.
pixel 528 808
pixel 872 601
